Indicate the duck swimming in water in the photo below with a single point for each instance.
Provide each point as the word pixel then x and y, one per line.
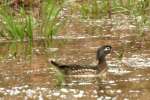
pixel 76 69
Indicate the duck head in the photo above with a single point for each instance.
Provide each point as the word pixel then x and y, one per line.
pixel 102 52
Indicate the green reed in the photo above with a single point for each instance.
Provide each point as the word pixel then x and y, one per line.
pixel 16 27
pixel 12 28
pixel 51 22
pixel 29 28
pixel 94 9
pixel 136 10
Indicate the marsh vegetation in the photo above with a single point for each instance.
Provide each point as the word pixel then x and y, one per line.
pixel 32 32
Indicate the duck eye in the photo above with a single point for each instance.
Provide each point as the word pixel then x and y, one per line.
pixel 107 49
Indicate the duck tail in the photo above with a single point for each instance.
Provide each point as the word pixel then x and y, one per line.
pixel 55 64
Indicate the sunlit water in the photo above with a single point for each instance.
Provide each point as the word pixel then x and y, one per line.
pixel 22 77
pixel 26 77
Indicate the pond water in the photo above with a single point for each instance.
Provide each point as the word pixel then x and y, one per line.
pixel 23 76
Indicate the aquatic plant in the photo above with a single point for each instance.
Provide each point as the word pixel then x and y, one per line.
pixel 95 9
pixel 50 18
pixel 141 16
pixel 60 78
pixel 16 28
pixel 29 28
pixel 120 54
pixel 136 10
pixel 12 27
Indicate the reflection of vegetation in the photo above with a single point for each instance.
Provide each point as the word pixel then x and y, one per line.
pixel 16 51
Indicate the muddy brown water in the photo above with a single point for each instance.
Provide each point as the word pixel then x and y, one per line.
pixel 23 77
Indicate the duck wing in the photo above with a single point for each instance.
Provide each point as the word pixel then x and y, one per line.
pixel 68 68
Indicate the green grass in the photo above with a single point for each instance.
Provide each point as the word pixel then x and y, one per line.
pixel 94 9
pixel 136 10
pixel 16 28
pixel 21 26
pixel 51 22
pixel 12 28
pixel 97 8
pixel 29 28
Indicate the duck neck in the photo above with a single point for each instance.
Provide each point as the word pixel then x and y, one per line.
pixel 102 64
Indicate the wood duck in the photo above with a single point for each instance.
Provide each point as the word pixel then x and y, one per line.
pixel 75 69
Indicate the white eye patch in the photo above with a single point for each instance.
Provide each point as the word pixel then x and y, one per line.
pixel 107 49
